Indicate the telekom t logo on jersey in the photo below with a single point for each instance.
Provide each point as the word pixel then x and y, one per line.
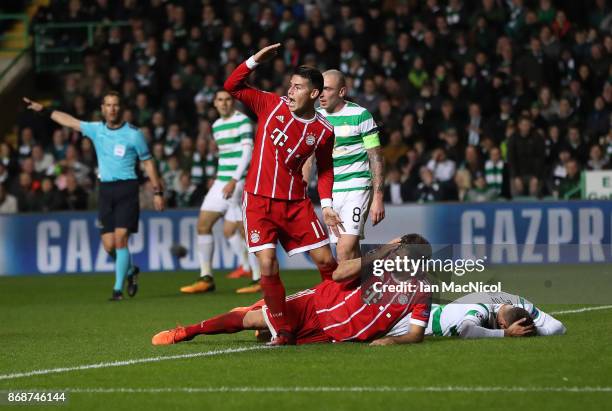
pixel 278 137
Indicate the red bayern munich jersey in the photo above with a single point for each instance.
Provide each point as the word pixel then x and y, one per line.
pixel 344 316
pixel 283 143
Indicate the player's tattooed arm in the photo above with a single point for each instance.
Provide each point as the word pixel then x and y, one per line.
pixel 347 270
pixel 377 167
pixel 414 336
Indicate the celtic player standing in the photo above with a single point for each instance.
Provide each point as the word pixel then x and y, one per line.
pixel 358 165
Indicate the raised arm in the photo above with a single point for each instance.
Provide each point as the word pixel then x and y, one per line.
pixel 238 87
pixel 59 117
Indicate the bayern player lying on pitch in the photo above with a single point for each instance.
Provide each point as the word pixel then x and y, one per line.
pixel 333 311
pixel 275 205
pixel 491 315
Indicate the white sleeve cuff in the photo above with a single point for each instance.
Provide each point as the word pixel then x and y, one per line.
pixel 418 322
pixel 326 202
pixel 251 63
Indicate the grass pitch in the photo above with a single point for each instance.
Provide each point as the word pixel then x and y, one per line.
pixel 66 322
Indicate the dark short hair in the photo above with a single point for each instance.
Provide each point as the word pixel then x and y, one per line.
pixel 221 90
pixel 311 74
pixel 417 245
pixel 112 93
pixel 514 314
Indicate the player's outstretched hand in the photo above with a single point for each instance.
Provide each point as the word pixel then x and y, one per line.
pixel 377 211
pixel 382 341
pixel 32 105
pixel 333 221
pixel 518 330
pixel 266 53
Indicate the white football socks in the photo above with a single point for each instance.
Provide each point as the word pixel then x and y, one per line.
pixel 206 248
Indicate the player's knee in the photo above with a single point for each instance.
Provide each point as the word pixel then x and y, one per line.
pixel 229 230
pixel 204 227
pixel 268 264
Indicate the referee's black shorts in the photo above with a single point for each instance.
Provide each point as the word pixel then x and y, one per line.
pixel 119 206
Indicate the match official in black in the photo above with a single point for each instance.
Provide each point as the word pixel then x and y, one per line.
pixel 119 146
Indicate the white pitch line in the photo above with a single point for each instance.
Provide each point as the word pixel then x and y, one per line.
pixel 200 354
pixel 582 310
pixel 129 362
pixel 250 389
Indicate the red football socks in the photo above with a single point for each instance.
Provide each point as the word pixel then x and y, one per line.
pixel 274 296
pixel 227 323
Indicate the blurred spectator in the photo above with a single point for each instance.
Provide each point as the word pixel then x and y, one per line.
pixel 526 151
pixel 50 198
pixel 43 162
pixel 185 190
pixel 481 191
pixel 428 190
pixel 569 187
pixel 395 149
pixel 443 169
pixel 75 197
pixel 8 203
pixel 395 191
pixel 597 160
pixel 494 170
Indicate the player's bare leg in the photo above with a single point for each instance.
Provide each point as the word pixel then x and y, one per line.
pixel 347 247
pixel 324 260
pixel 231 231
pixel 228 323
pixel 274 295
pixel 206 248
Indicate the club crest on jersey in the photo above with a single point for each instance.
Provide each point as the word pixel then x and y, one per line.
pixel 254 236
pixel 310 139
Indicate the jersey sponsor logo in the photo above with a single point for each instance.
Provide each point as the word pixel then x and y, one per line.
pixel 255 236
pixel 281 118
pixel 119 150
pixel 310 139
pixel 278 137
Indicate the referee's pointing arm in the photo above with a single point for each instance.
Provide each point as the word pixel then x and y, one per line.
pixel 59 117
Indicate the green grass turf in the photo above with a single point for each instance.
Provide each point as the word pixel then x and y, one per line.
pixel 64 321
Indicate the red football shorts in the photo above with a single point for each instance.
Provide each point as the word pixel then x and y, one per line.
pixel 292 222
pixel 301 317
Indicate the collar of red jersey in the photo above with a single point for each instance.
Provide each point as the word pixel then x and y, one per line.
pixel 300 119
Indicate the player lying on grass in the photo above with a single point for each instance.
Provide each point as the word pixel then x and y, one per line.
pixel 491 315
pixel 333 311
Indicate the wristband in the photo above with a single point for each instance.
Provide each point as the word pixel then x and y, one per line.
pixel 326 202
pixel 46 112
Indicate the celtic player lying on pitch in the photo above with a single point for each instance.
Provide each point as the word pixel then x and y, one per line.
pixel 333 311
pixel 491 315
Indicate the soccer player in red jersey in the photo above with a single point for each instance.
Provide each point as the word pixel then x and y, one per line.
pixel 335 310
pixel 275 205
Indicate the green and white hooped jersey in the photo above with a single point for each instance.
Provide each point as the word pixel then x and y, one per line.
pixel 231 134
pixel 446 320
pixel 355 132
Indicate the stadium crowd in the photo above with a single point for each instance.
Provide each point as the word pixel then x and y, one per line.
pixel 476 100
